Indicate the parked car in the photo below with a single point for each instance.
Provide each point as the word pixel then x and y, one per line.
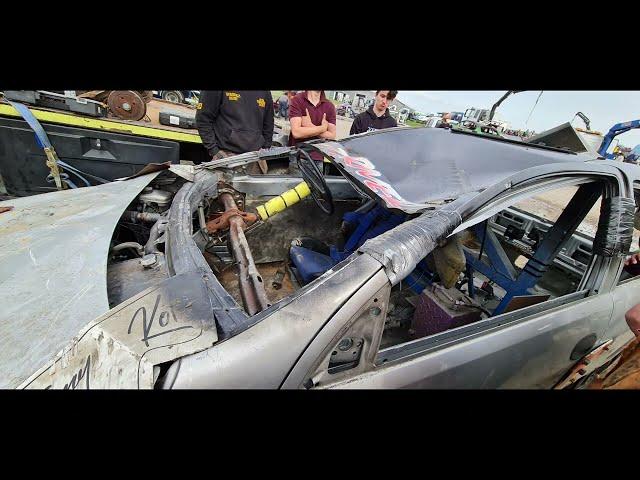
pixel 428 268
pixel 346 110
pixel 178 96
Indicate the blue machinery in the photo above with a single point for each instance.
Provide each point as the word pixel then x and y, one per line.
pixel 370 221
pixel 614 131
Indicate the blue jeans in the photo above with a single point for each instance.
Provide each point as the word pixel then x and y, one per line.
pixel 283 111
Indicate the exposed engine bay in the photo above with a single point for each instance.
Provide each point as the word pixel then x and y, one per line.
pixel 265 238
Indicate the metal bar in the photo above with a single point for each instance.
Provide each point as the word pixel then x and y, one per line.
pixel 252 289
pixel 143 216
pixel 553 241
pixel 496 254
pixel 488 271
pixel 470 280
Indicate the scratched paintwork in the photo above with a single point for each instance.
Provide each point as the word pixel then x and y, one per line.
pixel 53 264
pixel 121 348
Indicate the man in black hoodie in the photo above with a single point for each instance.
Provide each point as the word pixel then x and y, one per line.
pixel 235 122
pixel 377 115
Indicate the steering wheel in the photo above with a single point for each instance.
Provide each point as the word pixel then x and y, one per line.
pixel 315 180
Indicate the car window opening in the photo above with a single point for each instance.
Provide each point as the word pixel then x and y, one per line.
pixel 497 266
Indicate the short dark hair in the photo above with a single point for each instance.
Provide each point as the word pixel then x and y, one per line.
pixel 392 94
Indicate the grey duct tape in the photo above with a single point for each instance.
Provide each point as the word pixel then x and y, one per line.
pixel 399 250
pixel 615 228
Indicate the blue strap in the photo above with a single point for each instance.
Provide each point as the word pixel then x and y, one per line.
pixel 41 135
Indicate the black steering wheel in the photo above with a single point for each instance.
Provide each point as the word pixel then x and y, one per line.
pixel 315 180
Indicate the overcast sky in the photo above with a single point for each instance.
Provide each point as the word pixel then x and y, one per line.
pixel 603 108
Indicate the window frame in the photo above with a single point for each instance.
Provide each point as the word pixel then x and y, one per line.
pixel 594 277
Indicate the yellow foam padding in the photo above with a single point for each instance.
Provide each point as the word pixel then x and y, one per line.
pixel 284 200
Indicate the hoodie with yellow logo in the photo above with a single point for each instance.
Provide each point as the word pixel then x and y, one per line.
pixel 235 121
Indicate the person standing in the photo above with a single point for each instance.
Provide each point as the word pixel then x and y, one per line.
pixel 444 121
pixel 233 122
pixel 377 115
pixel 283 105
pixel 311 116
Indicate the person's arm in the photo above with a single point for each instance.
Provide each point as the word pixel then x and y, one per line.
pixel 330 133
pixel 205 118
pixel 632 318
pixel 331 127
pixel 297 130
pixel 267 127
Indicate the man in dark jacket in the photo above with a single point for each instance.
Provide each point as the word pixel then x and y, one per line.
pixel 377 115
pixel 236 122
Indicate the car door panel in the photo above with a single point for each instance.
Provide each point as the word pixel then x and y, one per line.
pixel 533 352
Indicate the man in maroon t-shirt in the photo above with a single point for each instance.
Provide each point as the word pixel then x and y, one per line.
pixel 311 116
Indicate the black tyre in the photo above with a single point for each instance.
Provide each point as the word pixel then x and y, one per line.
pixel 174 96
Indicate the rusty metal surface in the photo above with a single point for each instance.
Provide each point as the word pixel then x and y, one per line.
pixel 252 290
pixel 579 370
pixel 221 220
pixel 229 279
pixel 624 373
pixel 127 104
pixel 53 270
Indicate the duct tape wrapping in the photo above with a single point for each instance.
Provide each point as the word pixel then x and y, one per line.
pixel 615 228
pixel 399 250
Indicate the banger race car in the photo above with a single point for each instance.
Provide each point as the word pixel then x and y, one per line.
pixel 407 259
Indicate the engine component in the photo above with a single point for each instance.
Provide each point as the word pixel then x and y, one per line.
pixel 439 309
pixel 127 104
pixel 141 217
pixel 155 198
pixel 221 220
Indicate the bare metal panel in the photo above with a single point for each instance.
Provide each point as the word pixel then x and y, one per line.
pixel 53 270
pixel 122 348
pixel 573 139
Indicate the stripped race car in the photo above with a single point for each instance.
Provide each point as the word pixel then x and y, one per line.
pixel 409 258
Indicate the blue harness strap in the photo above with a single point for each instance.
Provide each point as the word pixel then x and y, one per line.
pixel 41 139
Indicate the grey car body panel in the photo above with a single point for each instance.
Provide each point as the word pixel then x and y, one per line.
pixel 263 355
pixel 123 347
pixel 533 353
pixel 53 270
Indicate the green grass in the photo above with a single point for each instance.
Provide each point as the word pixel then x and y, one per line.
pixel 413 123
